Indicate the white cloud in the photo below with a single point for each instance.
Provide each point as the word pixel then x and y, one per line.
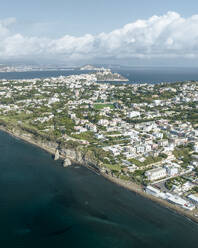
pixel 167 36
pixel 4 24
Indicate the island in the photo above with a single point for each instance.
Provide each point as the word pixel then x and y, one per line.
pixel 104 74
pixel 141 136
pixel 108 76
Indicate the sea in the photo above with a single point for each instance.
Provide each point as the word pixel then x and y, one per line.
pixel 43 204
pixel 134 74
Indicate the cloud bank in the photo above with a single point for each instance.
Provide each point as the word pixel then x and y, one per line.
pixel 167 36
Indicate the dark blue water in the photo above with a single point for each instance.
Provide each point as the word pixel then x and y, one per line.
pixel 159 74
pixel 37 74
pixel 45 205
pixel 134 74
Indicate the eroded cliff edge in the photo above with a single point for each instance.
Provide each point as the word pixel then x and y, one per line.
pixel 70 153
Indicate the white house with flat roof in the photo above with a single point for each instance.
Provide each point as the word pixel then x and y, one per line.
pixel 171 170
pixel 134 114
pixel 155 174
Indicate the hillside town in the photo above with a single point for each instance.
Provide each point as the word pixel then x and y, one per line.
pixel 143 133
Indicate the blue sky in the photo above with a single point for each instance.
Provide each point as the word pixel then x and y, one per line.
pixel 76 17
pixel 42 22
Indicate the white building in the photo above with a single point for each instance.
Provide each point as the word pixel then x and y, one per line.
pixel 179 201
pixel 193 198
pixel 155 174
pixel 53 100
pixel 134 114
pixel 99 136
pixel 148 148
pixel 80 129
pixel 155 192
pixel 157 102
pixel 158 135
pixel 91 127
pixel 103 122
pixel 196 147
pixel 172 170
pixel 163 142
pixel 140 149
pixel 132 168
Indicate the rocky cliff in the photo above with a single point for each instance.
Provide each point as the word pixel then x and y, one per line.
pixel 78 154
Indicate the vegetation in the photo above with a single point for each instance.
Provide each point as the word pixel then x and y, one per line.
pixel 183 153
pixel 102 106
pixel 113 167
pixel 148 160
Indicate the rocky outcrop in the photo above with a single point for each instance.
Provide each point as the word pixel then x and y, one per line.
pixel 57 155
pixel 73 154
pixel 67 162
pixel 89 158
pixel 78 155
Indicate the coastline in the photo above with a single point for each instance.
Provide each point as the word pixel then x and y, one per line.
pixel 28 140
pixel 135 188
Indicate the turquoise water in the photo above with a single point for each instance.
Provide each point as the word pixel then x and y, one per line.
pixel 45 205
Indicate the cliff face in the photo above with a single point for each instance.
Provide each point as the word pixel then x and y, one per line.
pixel 77 154
pixel 45 144
pixel 67 162
pixel 56 156
pixel 72 154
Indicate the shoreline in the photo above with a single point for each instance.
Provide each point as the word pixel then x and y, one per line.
pixel 28 140
pixel 133 187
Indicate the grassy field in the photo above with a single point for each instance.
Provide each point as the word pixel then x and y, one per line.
pixel 114 167
pixel 99 106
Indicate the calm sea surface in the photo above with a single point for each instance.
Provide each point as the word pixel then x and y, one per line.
pixel 135 74
pixel 44 205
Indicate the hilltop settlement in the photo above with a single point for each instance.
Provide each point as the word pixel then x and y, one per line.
pixel 145 134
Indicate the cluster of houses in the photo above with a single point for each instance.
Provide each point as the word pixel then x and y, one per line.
pixel 131 131
pixel 169 169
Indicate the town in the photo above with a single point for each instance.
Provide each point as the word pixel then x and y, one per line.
pixel 141 133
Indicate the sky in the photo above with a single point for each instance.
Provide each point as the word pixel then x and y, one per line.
pixel 128 32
